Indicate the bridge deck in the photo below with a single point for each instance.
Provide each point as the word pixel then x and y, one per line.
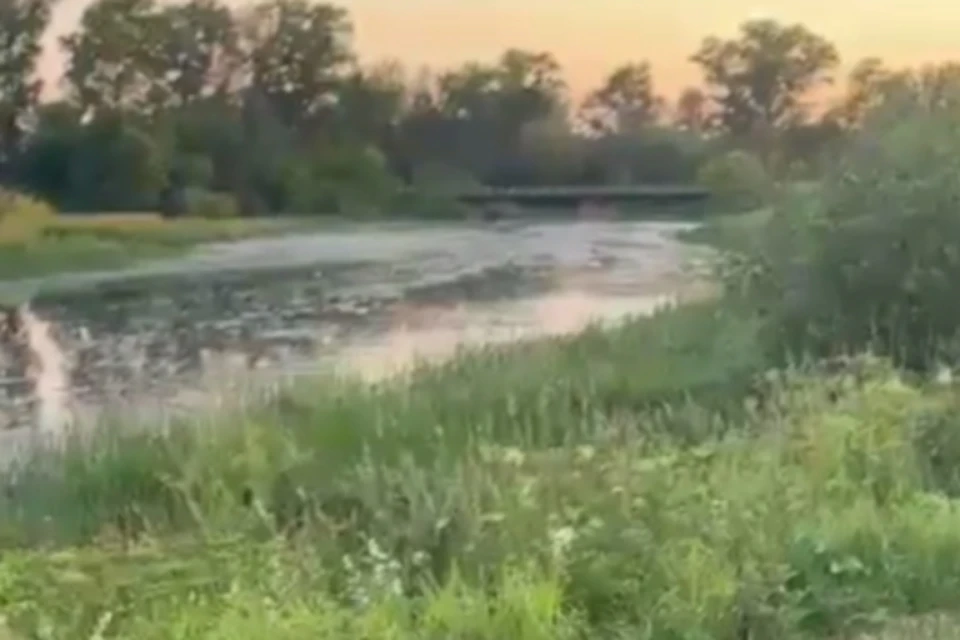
pixel 573 194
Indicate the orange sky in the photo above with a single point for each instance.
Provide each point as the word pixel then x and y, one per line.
pixel 591 36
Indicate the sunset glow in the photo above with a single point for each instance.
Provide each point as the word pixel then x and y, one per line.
pixel 589 38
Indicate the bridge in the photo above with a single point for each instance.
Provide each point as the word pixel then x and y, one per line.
pixel 577 196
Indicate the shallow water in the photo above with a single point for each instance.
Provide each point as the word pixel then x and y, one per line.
pixel 366 300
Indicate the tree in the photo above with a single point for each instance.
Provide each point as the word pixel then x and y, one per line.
pixel 691 111
pixel 935 85
pixel 866 85
pixel 531 85
pixel 487 106
pixel 349 179
pixel 468 98
pixel 135 55
pixel 196 52
pixel 760 79
pixel 521 87
pixel 298 53
pixel 626 101
pixel 655 155
pixel 115 165
pixel 110 61
pixel 550 152
pixel 871 84
pixel 737 181
pixel 371 103
pixel 44 166
pixel 205 142
pixel 22 24
pixel 424 130
pixel 870 264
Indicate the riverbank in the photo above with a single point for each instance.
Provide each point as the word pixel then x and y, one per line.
pixel 661 479
pixel 646 481
pixel 71 244
pixel 74 243
pixel 730 231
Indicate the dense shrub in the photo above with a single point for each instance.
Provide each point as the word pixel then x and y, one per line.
pixel 209 204
pixel 22 217
pixel 342 181
pixel 737 180
pixel 874 260
pixel 431 205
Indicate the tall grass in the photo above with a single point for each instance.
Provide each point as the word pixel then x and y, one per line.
pixel 652 481
pixel 659 480
pixel 22 219
pixel 149 228
pixel 34 241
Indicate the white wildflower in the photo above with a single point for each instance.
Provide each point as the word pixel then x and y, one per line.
pixel 561 539
pixel 512 455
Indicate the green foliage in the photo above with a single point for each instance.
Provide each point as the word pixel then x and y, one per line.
pixel 22 218
pixel 298 52
pixel 114 165
pixel 429 205
pixel 22 25
pixel 871 262
pixel 442 178
pixel 625 103
pixel 652 155
pixel 195 170
pixel 339 181
pixel 733 234
pixel 737 181
pixel 267 104
pixel 435 417
pixel 432 193
pixel 272 592
pixel 405 503
pixel 209 204
pixel 640 482
pixel 763 75
pixel 70 243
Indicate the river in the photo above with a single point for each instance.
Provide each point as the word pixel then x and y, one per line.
pixel 369 300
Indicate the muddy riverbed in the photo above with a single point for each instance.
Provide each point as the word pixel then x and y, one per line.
pixel 174 335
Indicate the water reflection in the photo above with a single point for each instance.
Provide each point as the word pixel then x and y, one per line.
pixel 370 303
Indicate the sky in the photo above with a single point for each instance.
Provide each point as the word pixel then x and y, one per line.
pixel 590 37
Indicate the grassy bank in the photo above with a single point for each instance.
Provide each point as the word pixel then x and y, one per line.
pixel 668 479
pixel 644 482
pixel 68 243
pixel 730 231
pixel 59 244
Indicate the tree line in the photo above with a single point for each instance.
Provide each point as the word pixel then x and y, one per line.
pixel 267 109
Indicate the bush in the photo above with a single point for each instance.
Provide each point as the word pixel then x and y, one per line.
pixel 22 217
pixel 343 181
pixel 737 180
pixel 194 169
pixel 210 204
pixel 436 511
pixel 873 261
pixel 443 179
pixel 432 205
